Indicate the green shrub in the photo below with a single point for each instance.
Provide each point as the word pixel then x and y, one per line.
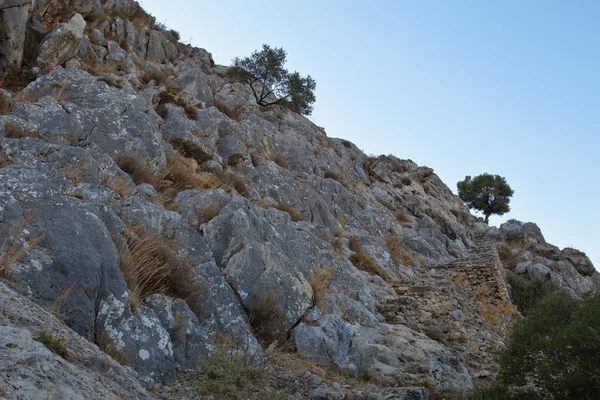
pixel 555 351
pixel 525 294
pixel 234 377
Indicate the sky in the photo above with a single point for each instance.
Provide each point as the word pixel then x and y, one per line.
pixel 464 87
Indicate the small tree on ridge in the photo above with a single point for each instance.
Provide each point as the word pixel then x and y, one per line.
pixel 271 83
pixel 487 193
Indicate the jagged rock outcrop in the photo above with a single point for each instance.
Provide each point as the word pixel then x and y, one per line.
pixel 369 265
pixel 32 370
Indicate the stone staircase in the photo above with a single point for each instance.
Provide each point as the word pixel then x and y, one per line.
pixel 463 304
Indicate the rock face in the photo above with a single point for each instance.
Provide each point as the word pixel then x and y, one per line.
pixel 258 226
pixel 61 44
pixel 14 15
pixel 30 370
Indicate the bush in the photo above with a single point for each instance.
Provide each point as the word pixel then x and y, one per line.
pixel 228 375
pixel 525 294
pixel 554 353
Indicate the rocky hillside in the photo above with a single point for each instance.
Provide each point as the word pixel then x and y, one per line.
pixel 159 213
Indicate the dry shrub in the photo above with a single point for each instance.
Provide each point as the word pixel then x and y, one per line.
pixel 13 246
pixel 112 82
pixel 182 172
pixel 403 217
pixel 106 344
pixel 355 244
pixel 266 319
pixel 264 202
pixel 5 161
pixel 319 281
pixel 255 158
pixel 399 253
pixel 150 265
pixel 237 182
pixel 120 186
pixel 6 105
pixel 280 160
pixel 172 95
pixel 152 74
pixel 13 130
pixel 137 168
pixel 56 344
pixel 332 175
pixel 232 113
pixel 365 262
pixel 347 144
pixel 15 80
pixel 288 208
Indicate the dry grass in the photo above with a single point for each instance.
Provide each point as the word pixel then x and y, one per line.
pixel 347 144
pixel 255 158
pixel 286 207
pixel 13 246
pixel 355 244
pixel 56 344
pixel 150 265
pixel 15 80
pixel 137 168
pixel 6 105
pixel 157 76
pixel 236 181
pixel 233 113
pixel 12 130
pixel 319 281
pixel 120 186
pixel 399 253
pixel 172 95
pixel 182 172
pixel 106 344
pixel 280 160
pixel 56 307
pixel 332 175
pixel 266 319
pixel 208 212
pixel 403 217
pixel 365 262
pixel 5 161
pixel 264 202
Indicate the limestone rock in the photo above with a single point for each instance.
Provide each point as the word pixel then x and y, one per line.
pixel 62 43
pixel 14 15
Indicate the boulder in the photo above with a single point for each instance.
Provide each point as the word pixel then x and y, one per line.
pixel 30 370
pixel 14 15
pixel 62 43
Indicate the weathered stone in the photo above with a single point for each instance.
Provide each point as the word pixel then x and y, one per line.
pixel 14 15
pixel 61 44
pixel 30 370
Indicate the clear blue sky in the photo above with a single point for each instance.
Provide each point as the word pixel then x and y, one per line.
pixel 465 87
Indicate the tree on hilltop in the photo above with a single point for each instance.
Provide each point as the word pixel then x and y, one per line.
pixel 487 193
pixel 271 83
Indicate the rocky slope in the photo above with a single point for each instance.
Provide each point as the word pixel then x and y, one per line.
pixel 124 151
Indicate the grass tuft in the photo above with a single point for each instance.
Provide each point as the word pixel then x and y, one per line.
pixel 137 168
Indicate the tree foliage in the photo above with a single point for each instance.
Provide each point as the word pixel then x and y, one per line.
pixel 487 193
pixel 554 353
pixel 271 83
